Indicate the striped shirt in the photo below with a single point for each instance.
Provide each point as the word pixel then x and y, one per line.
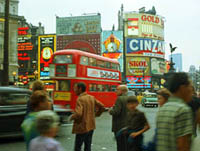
pixel 174 120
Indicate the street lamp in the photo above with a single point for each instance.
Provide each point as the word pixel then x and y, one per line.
pixel 35 73
pixel 14 76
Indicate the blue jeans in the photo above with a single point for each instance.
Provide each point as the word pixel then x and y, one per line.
pixel 85 138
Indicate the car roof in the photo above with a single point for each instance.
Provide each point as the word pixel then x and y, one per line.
pixel 4 89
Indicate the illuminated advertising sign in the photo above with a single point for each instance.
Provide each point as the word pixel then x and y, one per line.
pixel 23 30
pixel 25 48
pixel 158 66
pixel 112 45
pixel 145 47
pixel 144 25
pixel 78 24
pixel 46 48
pixel 137 66
pixel 139 82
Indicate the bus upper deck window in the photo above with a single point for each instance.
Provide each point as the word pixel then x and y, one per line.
pixel 62 59
pixel 114 66
pixel 100 63
pixel 92 62
pixel 84 60
pixel 107 65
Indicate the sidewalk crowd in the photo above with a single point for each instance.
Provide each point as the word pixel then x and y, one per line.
pixel 177 119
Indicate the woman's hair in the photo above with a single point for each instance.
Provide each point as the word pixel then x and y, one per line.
pixel 164 92
pixel 46 120
pixel 37 85
pixel 37 97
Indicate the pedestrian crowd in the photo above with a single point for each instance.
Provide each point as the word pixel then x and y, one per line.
pixel 177 119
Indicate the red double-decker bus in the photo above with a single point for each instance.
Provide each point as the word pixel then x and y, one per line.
pixel 100 74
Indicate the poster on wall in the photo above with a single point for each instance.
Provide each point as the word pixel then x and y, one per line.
pixel 78 24
pixel 112 46
pixel 137 66
pixel 158 66
pixel 46 48
pixel 145 47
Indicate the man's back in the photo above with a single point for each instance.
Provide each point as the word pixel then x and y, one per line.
pixel 119 113
pixel 174 120
pixel 85 113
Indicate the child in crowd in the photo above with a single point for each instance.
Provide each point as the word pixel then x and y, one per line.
pixel 136 125
pixel 39 101
pixel 47 125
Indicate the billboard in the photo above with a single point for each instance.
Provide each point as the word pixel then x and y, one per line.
pixel 78 25
pixel 46 48
pixel 145 47
pixel 137 66
pixel 158 66
pixel 86 42
pixel 112 46
pixel 144 25
pixel 139 82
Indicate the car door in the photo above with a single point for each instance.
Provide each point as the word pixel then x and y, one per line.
pixel 12 112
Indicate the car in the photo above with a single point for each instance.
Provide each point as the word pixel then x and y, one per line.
pixel 131 93
pixel 149 99
pixel 13 104
pixel 13 109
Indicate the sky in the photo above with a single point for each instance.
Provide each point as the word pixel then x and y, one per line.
pixel 182 25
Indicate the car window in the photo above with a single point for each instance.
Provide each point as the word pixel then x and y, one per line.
pixel 150 95
pixel 13 98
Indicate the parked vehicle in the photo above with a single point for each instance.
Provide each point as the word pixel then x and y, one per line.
pixel 149 99
pixel 131 93
pixel 13 106
pixel 12 110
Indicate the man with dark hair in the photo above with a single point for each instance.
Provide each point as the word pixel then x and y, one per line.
pixel 174 119
pixel 87 107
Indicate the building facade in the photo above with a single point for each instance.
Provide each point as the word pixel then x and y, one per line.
pixel 13 26
pixel 143 48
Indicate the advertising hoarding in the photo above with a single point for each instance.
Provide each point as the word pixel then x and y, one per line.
pixel 144 25
pixel 158 66
pixel 112 46
pixel 46 48
pixel 95 73
pixel 145 47
pixel 88 42
pixel 137 66
pixel 139 82
pixel 78 24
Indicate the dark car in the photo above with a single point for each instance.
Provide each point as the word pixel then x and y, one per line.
pixel 12 110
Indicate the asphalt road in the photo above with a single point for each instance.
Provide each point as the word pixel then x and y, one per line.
pixel 102 139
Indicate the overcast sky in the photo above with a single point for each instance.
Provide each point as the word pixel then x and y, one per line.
pixel 182 26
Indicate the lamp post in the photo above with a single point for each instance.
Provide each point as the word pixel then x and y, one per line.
pixel 14 77
pixel 35 73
